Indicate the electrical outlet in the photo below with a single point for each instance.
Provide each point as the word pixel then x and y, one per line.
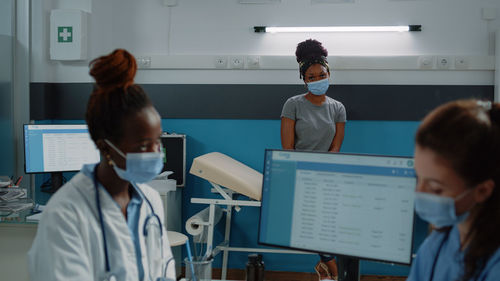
pixel 461 63
pixel 443 62
pixel 143 62
pixel 220 62
pixel 426 62
pixel 253 62
pixel 236 62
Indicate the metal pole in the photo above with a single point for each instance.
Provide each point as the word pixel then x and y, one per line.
pixel 227 234
pixel 211 219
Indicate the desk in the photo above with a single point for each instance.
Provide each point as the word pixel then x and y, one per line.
pixel 17 235
pixel 176 238
pixel 15 241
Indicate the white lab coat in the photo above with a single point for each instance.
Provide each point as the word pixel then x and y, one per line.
pixel 69 244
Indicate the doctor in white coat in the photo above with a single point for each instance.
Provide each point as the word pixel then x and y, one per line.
pixel 105 224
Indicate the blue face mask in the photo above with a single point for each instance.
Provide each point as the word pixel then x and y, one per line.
pixel 140 167
pixel 439 210
pixel 318 88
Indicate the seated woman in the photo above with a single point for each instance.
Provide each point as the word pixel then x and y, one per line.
pixel 106 223
pixel 457 164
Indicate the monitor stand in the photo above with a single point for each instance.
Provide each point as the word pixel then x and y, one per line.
pixel 56 179
pixel 348 269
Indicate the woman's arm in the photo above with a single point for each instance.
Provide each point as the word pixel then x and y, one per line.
pixel 287 133
pixel 338 138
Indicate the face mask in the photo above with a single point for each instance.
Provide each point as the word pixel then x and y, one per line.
pixel 439 210
pixel 318 88
pixel 140 167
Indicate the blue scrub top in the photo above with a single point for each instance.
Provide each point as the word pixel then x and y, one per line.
pixel 450 262
pixel 133 213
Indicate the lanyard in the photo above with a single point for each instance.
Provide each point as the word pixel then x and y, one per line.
pixel 437 254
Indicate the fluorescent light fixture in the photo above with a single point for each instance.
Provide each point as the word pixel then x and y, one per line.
pixel 400 28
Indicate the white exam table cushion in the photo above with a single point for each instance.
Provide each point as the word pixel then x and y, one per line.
pixel 227 172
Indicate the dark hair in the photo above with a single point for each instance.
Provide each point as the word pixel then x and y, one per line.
pixel 467 134
pixel 310 52
pixel 115 96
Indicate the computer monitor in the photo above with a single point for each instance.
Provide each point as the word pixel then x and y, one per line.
pixel 351 205
pixel 57 148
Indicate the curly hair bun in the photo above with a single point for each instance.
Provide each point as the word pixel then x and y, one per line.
pixel 116 70
pixel 309 50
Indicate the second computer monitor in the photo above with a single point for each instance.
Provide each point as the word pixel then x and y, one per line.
pixel 58 148
pixel 55 149
pixel 352 205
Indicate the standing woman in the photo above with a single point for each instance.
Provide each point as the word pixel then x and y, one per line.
pixel 105 223
pixel 314 121
pixel 457 163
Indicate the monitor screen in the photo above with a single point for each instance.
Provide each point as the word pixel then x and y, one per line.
pixel 58 148
pixel 352 205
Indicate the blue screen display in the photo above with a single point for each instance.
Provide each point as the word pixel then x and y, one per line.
pixel 58 148
pixel 347 204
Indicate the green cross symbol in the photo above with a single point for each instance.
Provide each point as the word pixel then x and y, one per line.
pixel 64 34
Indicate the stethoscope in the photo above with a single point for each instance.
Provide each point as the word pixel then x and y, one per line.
pixel 152 217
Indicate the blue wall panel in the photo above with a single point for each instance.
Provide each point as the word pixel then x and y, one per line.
pixel 245 141
pixel 380 137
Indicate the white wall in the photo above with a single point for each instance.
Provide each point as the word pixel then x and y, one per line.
pixel 224 27
pixel 6 18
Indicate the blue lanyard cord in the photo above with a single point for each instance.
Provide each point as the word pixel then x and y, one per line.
pixel 437 254
pixel 101 220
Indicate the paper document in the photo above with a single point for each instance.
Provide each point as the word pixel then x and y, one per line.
pixel 9 194
pixel 14 206
pixel 34 218
pixel 5 181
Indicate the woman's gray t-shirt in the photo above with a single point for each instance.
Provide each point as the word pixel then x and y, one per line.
pixel 314 124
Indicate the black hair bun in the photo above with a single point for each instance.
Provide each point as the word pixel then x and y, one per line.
pixel 310 50
pixel 115 70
